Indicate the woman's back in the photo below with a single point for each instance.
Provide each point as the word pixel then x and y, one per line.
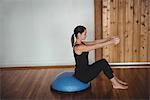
pixel 81 60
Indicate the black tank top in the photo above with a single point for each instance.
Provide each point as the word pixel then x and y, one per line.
pixel 81 61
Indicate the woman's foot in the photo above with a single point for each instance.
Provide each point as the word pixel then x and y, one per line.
pixel 124 83
pixel 117 85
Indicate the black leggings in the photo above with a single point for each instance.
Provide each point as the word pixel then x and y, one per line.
pixel 93 70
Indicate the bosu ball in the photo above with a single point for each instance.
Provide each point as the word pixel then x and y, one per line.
pixel 67 83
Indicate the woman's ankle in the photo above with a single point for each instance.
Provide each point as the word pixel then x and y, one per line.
pixel 113 80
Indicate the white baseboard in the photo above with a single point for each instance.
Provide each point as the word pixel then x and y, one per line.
pixel 131 65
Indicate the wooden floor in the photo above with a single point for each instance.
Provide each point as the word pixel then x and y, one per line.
pixel 34 84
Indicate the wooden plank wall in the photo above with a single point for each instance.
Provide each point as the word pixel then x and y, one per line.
pixel 98 23
pixel 149 35
pixel 128 19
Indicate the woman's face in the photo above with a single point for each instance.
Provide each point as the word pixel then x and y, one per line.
pixel 83 35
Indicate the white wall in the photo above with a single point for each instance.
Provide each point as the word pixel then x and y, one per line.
pixel 38 32
pixel 1 36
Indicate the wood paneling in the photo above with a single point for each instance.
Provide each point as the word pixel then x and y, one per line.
pixel 128 19
pixel 137 30
pixel 149 34
pixel 121 29
pixel 106 26
pixel 129 31
pixel 144 30
pixel 113 28
pixel 98 23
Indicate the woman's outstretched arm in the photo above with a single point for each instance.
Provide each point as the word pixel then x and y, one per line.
pixel 99 40
pixel 85 48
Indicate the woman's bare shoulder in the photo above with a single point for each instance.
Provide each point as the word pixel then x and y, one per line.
pixel 77 48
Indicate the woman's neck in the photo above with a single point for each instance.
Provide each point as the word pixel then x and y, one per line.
pixel 78 41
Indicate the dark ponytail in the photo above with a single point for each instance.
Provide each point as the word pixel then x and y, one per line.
pixel 72 40
pixel 78 29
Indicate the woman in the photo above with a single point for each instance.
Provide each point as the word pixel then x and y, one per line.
pixel 85 72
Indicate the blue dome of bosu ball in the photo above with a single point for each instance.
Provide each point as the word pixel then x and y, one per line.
pixel 66 82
